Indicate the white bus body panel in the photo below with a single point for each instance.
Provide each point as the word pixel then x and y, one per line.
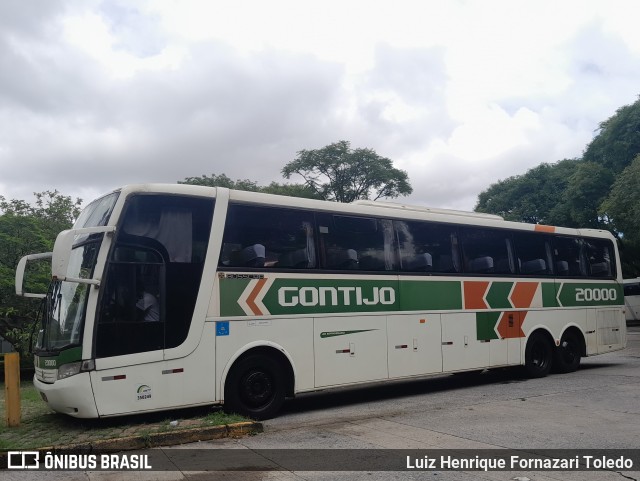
pixel 350 349
pixel 414 344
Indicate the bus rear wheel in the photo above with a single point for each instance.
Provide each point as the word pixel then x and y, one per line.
pixel 538 355
pixel 255 387
pixel 566 357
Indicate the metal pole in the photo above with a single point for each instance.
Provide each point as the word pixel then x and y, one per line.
pixel 12 388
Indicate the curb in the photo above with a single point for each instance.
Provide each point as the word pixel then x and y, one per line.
pixel 168 438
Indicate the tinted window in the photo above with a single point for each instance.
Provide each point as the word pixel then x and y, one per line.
pixel 268 237
pixel 533 254
pixel 356 243
pixel 486 251
pixel 566 252
pixel 427 247
pixel 632 289
pixel 598 254
pixel 153 274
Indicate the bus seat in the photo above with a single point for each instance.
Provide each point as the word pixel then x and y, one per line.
pixel 534 266
pixel 421 263
pixel 481 265
pixel 562 268
pixel 253 256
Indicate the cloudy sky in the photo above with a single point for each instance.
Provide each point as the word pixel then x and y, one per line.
pixel 95 94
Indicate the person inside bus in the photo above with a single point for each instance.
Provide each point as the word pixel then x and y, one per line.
pixel 148 306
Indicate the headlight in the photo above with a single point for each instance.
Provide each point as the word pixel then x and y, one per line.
pixel 73 368
pixel 68 370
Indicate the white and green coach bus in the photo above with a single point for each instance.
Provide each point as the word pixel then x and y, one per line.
pixel 166 296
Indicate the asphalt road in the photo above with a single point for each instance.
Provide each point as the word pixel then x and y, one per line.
pixel 597 407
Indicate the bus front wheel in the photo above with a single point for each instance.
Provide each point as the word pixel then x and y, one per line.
pixel 538 355
pixel 255 387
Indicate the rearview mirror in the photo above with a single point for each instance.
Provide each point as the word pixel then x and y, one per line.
pixel 20 268
pixel 62 252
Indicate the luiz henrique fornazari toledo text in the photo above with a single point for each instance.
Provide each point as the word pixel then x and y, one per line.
pixel 518 463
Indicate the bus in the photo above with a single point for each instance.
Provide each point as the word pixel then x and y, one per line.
pixel 632 298
pixel 169 296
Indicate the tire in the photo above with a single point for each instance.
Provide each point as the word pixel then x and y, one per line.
pixel 255 387
pixel 566 357
pixel 538 356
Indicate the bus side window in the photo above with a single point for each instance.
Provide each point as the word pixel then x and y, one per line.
pixel 261 237
pixel 487 251
pixel 426 247
pixel 567 257
pixel 597 253
pixel 632 289
pixel 533 253
pixel 356 243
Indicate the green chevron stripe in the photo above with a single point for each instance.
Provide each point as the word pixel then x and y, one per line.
pixel 498 295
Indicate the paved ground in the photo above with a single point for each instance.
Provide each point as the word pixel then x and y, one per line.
pixel 597 407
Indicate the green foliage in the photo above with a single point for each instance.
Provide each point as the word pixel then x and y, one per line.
pixel 618 141
pixel 26 229
pixel 292 190
pixel 622 206
pixel 533 197
pixel 222 181
pixel 587 187
pixel 337 172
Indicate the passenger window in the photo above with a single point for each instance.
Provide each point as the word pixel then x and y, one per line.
pixel 599 256
pixel 427 247
pixel 486 251
pixel 632 289
pixel 533 254
pixel 356 243
pixel 566 253
pixel 268 237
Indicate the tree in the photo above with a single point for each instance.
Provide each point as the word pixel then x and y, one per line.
pixel 588 186
pixel 622 207
pixel 26 229
pixel 618 140
pixel 222 180
pixel 534 197
pixel 338 173
pixel 291 190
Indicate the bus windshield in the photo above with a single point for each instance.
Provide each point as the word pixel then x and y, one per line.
pixel 66 301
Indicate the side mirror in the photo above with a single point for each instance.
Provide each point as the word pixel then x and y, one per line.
pixel 62 252
pixel 20 268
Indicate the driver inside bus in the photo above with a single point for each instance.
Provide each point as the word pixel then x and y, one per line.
pixel 148 306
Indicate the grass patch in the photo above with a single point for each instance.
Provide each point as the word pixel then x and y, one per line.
pixel 41 427
pixel 216 418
